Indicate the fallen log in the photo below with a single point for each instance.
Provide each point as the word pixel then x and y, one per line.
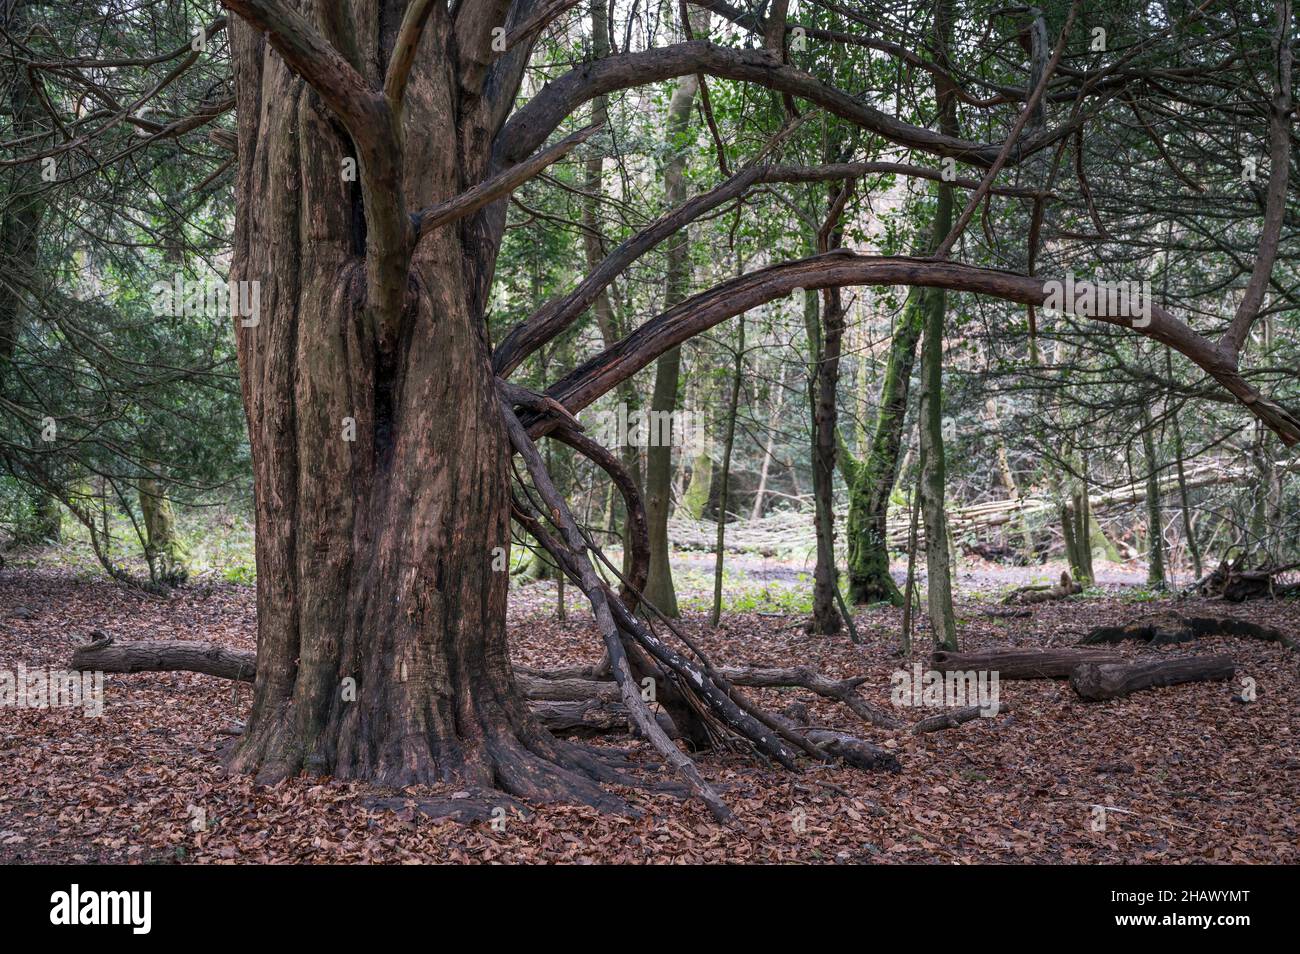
pixel 1021 663
pixel 591 717
pixel 1096 683
pixel 103 654
pixel 566 706
pixel 954 718
pixel 1174 628
pixel 854 751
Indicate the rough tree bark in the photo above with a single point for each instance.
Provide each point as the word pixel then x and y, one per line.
pixel 876 474
pixel 381 476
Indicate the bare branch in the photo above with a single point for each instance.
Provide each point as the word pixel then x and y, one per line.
pixel 559 313
pixel 973 203
pixel 500 185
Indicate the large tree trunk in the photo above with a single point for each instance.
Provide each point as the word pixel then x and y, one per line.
pixel 380 466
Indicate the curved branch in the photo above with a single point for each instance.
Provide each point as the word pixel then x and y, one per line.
pixel 559 313
pixel 365 114
pixel 731 298
pixel 637 523
pixel 1279 157
pixel 532 123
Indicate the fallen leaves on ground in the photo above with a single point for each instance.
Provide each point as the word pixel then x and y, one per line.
pixel 1182 774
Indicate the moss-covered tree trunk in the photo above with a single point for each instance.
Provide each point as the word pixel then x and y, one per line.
pixel 874 476
pixel 938 561
pixel 163 549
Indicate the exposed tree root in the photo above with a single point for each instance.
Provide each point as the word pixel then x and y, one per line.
pixel 464 807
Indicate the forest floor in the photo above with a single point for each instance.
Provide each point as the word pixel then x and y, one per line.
pixel 1181 774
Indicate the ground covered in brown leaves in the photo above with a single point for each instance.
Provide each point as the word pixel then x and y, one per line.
pixel 1184 774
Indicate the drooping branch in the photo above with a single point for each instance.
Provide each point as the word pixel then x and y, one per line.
pixel 595 591
pixel 736 296
pixel 570 432
pixel 532 123
pixel 637 525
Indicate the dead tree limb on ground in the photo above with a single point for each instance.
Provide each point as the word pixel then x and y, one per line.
pixel 1174 628
pixel 1021 663
pixel 954 718
pixel 1096 683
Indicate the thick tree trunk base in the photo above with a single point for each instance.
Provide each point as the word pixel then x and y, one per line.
pixel 493 745
pixel 1096 683
pixel 878 588
pixel 505 747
